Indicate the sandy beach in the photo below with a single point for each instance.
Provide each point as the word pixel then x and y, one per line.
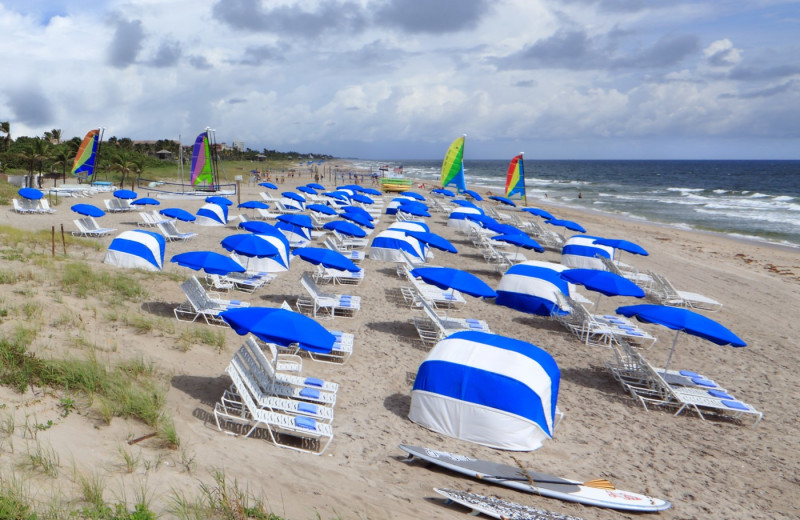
pixel 707 469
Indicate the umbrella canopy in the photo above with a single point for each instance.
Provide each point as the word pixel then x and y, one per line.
pixel 622 245
pixel 464 203
pixel 389 245
pixel 346 228
pixel 307 189
pixel 358 219
pixel 569 224
pixel 371 191
pixel 539 213
pixel 268 185
pixel 30 193
pixel 504 200
pixel 321 208
pixel 358 210
pixel 581 251
pixel 413 209
pixel 303 221
pixel 604 282
pixel 451 278
pixel 433 240
pixel 520 240
pixel 260 227
pixel 208 261
pixel 88 210
pixel 125 194
pixel 248 244
pixel 145 201
pixel 280 326
pixel 222 201
pixel 178 213
pixel 413 195
pixel 409 226
pixel 253 204
pixel 213 214
pixel 315 186
pixel 327 258
pixel 473 194
pixel 340 195
pixel 488 389
pixel 362 199
pixel 443 191
pixel 682 320
pixel 293 196
pixel 137 249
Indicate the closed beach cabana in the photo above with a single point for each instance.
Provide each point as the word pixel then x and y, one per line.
pixel 581 252
pixel 488 389
pixel 137 249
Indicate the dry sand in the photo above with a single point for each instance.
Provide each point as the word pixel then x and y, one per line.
pixel 707 469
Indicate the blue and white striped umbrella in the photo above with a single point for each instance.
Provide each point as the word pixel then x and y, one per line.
pixel 212 215
pixel 488 389
pixel 137 248
pixel 532 287
pixel 387 246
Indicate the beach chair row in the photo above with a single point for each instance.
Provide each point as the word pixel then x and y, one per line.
pixel 88 227
pixel 599 330
pixel 28 206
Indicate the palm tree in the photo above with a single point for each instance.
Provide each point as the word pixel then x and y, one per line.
pixel 35 153
pixel 63 157
pixel 122 163
pixel 54 136
pixel 5 127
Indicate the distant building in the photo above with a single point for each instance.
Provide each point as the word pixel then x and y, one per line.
pixel 238 146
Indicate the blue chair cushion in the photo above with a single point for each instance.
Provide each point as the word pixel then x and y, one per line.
pixel 736 405
pixel 689 373
pixel 313 381
pixel 719 394
pixel 699 381
pixel 309 393
pixel 308 408
pixel 305 422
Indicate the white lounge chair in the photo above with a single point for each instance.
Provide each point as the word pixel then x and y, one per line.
pixel 327 304
pixel 349 243
pixel 314 436
pixel 324 275
pixel 667 294
pixel 116 205
pixel 201 303
pixel 171 233
pixel 268 369
pixel 432 327
pixel 340 352
pixel 87 227
pixel 22 206
pixel 600 330
pixel 432 295
pixel 354 255
pixel 44 207
pixel 283 362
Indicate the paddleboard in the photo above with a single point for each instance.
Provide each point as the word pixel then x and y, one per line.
pixel 543 484
pixel 498 508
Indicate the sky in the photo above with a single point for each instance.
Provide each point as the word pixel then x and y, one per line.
pixel 401 79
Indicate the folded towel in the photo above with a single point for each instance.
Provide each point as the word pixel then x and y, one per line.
pixel 308 408
pixel 309 393
pixel 313 381
pixel 734 404
pixel 305 422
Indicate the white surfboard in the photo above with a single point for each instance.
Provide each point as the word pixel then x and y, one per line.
pixel 543 484
pixel 499 508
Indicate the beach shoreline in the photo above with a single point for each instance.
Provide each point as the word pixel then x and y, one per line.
pixel 707 469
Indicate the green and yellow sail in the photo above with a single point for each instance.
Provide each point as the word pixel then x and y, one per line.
pixel 453 165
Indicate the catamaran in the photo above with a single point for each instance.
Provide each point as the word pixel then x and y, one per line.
pixel 453 165
pixel 515 179
pixel 86 159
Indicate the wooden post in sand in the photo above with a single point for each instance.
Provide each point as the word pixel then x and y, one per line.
pixel 53 240
pixel 63 240
pixel 238 192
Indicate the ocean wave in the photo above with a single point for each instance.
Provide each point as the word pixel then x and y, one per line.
pixel 757 195
pixel 686 190
pixel 783 198
pixel 756 216
pixel 720 192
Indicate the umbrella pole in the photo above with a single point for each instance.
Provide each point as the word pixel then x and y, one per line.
pixel 671 350
pixel 597 303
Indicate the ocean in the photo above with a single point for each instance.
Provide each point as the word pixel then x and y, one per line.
pixel 757 200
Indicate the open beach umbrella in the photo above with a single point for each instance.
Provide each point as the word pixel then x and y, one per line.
pixel 604 282
pixel 340 195
pixel 280 326
pixel 451 278
pixel 682 320
pixel 358 210
pixel 253 204
pixel 260 227
pixel 473 194
pixel 410 226
pixel 268 185
pixel 87 210
pixel 569 224
pixel 504 200
pixel 413 195
pixel 212 214
pixel 208 261
pixel 125 194
pixel 351 187
pixel 443 191
pixel 30 193
pixel 622 245
pixel 358 197
pixel 520 240
pixel 371 191
pixel 315 186
pixel 178 213
pixel 307 189
pixel 293 196
pixel 145 201
pixel 413 209
pixel 321 208
pixel 464 203
pixel 327 258
pixel 345 227
pixel 539 213
pixel 357 218
pixel 249 244
pixel 221 201
pixel 433 240
pixel 303 221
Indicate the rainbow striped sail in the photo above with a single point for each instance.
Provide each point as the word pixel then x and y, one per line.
pixel 202 173
pixel 515 178
pixel 86 158
pixel 453 165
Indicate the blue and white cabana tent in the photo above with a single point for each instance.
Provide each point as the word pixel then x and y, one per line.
pixel 391 207
pixel 461 219
pixel 410 226
pixel 532 287
pixel 580 251
pixel 488 389
pixel 275 264
pixel 387 246
pixel 137 249
pixel 211 214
